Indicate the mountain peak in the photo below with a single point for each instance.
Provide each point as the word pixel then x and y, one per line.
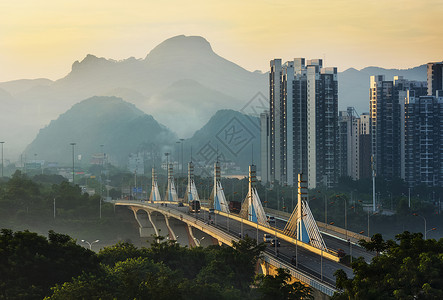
pixel 181 45
pixel 90 60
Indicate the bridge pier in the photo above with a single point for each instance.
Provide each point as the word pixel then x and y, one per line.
pixel 146 227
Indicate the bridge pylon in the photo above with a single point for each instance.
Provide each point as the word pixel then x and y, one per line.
pixel 191 191
pixel 217 198
pixel 252 209
pixel 155 193
pixel 301 225
pixel 171 192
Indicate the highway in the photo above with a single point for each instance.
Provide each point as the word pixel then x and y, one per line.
pixel 316 265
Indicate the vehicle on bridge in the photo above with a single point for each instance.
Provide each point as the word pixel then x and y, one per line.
pixel 194 206
pixel 267 238
pixel 271 219
pixel 274 242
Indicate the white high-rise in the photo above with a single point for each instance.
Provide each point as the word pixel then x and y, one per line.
pixel 303 122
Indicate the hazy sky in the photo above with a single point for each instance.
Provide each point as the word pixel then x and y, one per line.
pixel 43 38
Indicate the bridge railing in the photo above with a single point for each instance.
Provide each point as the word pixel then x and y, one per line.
pixel 314 283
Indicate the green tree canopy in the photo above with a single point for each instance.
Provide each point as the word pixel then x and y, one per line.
pixel 411 268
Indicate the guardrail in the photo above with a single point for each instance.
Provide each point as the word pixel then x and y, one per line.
pixel 213 231
pixel 316 284
pixel 329 254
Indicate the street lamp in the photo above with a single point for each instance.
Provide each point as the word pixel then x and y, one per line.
pixel 321 261
pixel 90 244
pixel 368 219
pixel 73 145
pixel 2 157
pixel 350 243
pixel 417 215
pixel 432 229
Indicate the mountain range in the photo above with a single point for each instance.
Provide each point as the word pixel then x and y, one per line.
pixel 123 129
pixel 182 83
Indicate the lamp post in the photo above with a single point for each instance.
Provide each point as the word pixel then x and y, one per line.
pixel 350 243
pixel 73 145
pixel 321 260
pixel 90 244
pixel 432 229
pixel 368 219
pixel 2 157
pixel 101 187
pixel 417 215
pixel 182 170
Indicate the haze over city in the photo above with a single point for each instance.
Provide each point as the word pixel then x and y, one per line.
pixel 42 39
pixel 221 149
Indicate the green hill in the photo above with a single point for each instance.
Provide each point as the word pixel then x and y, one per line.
pixel 118 125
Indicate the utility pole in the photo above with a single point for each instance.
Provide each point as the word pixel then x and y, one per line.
pixel 73 179
pixel 2 157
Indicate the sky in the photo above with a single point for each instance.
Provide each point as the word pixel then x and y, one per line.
pixel 41 39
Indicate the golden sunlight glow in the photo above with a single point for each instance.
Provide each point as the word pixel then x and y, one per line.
pixel 43 38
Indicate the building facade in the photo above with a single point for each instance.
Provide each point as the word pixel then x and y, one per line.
pixel 387 122
pixel 435 78
pixel 423 162
pixel 303 122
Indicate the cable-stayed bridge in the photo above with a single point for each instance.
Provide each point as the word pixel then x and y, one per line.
pixel 299 245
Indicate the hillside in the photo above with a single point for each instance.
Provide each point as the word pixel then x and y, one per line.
pixel 118 125
pixel 232 133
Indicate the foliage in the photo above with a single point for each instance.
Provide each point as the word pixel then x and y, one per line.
pixel 411 268
pixel 167 271
pixel 30 264
pixel 278 287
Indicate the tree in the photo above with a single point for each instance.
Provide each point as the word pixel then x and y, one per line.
pixel 411 268
pixel 30 264
pixel 278 287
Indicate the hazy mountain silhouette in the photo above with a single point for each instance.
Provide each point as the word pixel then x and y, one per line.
pixel 354 84
pixel 157 84
pixel 182 82
pixel 109 121
pixel 230 132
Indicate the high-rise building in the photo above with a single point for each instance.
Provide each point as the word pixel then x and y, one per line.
pixel 365 146
pixel 435 78
pixel 387 118
pixel 423 140
pixel 349 143
pixel 265 146
pixel 303 122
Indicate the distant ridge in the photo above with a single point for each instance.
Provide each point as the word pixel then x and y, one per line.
pixel 109 121
pixel 182 82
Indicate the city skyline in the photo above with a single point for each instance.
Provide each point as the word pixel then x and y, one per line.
pixel 42 40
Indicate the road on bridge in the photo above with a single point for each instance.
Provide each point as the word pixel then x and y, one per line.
pixel 306 261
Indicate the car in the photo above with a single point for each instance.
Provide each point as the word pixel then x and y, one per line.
pixel 211 210
pixel 271 219
pixel 274 241
pixel 180 204
pixel 341 253
pixel 267 238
